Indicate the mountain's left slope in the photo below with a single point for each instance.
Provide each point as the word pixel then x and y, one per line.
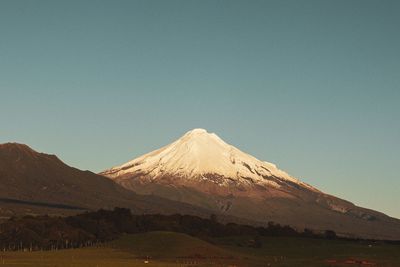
pixel 38 183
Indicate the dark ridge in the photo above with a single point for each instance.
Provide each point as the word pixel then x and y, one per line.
pixel 15 145
pixel 40 204
pixel 18 149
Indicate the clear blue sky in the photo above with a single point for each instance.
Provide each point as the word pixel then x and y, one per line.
pixel 313 86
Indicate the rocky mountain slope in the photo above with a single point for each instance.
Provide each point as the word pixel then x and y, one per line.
pixel 38 183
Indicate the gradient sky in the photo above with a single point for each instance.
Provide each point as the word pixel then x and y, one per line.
pixel 313 86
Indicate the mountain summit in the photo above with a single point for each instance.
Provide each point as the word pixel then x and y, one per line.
pixel 202 170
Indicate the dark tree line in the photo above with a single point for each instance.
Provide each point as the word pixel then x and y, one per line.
pixel 94 228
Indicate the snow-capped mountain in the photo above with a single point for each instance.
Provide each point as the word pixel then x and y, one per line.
pixel 202 157
pixel 202 170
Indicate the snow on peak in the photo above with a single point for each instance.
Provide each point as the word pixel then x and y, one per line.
pixel 197 131
pixel 198 154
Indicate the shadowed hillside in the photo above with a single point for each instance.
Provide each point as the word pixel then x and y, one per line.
pixel 38 183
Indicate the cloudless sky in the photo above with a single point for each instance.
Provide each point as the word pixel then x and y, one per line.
pixel 313 86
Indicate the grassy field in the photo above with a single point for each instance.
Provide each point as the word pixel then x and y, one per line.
pixel 173 249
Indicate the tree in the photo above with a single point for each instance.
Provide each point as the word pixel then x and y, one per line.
pixel 329 234
pixel 257 242
pixel 213 218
